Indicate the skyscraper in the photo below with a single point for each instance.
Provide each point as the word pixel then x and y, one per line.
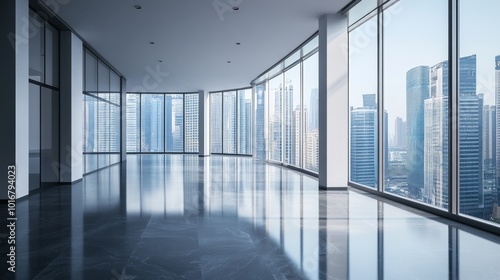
pixel 470 140
pixel 229 125
pixel 133 125
pixel 489 146
pixel 289 124
pixel 152 126
pixel 364 142
pixel 436 167
pixel 275 126
pixel 489 135
pixel 497 104
pixel 417 90
pixel 260 124
pixel 191 123
pixel 436 138
pixel 178 117
pixel 169 141
pixel 313 111
pixel 400 133
pixel 216 122
pixel 296 136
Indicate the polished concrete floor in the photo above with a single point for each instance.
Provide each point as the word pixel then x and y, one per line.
pixel 185 217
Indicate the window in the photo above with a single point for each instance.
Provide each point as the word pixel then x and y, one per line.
pixel 415 63
pixel 363 104
pixel 191 107
pixel 102 115
pixel 479 96
pixel 310 114
pixel 133 122
pixel 292 116
pixel 245 127
pixel 260 121
pixel 286 111
pixel 162 122
pixel 216 122
pixel 231 122
pixel 43 99
pixel 275 120
pixel 152 118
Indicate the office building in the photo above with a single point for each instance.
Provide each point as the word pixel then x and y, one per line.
pixel 363 139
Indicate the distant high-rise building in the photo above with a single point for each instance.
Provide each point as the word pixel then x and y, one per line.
pixel 312 155
pixel 178 132
pixel 169 136
pixel 216 122
pixel 191 123
pixel 296 137
pixel 436 141
pixel 497 105
pixel 229 123
pixel 313 111
pixel 288 123
pixel 244 123
pixel 470 140
pixel 400 133
pixel 133 125
pixel 364 143
pixel 489 136
pixel 417 90
pixel 248 127
pixel 152 126
pixel 260 124
pixel 275 126
pixel 369 100
pixel 435 190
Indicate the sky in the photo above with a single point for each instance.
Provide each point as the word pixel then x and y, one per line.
pixel 415 34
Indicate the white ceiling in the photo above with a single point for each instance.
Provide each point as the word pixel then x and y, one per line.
pixel 193 39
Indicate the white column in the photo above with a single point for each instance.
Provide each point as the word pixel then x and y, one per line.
pixel 204 124
pixel 333 102
pixel 71 108
pixel 14 108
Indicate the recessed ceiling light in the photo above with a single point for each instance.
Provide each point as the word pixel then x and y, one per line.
pixel 160 60
pixel 236 8
pixel 229 61
pixel 152 43
pixel 137 7
pixel 238 43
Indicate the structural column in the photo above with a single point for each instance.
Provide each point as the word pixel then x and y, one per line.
pixel 204 124
pixel 333 102
pixel 71 108
pixel 14 108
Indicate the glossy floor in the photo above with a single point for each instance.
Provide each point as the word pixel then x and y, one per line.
pixel 184 217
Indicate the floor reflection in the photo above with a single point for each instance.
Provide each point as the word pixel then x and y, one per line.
pixel 226 217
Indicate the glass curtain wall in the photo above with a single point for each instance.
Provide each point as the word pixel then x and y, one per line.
pixel 43 103
pixel 286 111
pixel 363 104
pixel 162 122
pixel 479 98
pixel 102 107
pixel 231 124
pixel 414 122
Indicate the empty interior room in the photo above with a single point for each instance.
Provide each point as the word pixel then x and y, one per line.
pixel 238 139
